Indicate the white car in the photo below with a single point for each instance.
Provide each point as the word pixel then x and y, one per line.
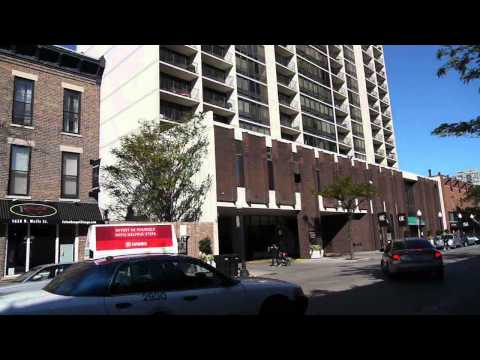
pixel 35 279
pixel 154 285
pixel 472 240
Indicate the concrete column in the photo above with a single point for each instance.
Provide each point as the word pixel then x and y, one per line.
pixel 75 251
pixel 57 243
pixel 239 244
pixel 272 90
pixel 27 260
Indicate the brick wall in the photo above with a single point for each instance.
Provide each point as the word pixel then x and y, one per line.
pixel 197 232
pixel 45 179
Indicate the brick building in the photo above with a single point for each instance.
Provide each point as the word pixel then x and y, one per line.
pixel 49 135
pixel 452 193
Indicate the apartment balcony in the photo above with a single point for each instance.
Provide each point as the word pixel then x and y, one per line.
pixel 387 114
pixel 340 93
pixel 391 156
pixel 187 50
pixel 285 50
pixel 388 129
pixel 377 52
pixel 218 106
pixel 217 56
pixel 370 82
pixel 256 52
pixel 376 123
pixel 177 66
pixel 345 142
pixel 285 66
pixel 179 95
pixel 335 50
pixel 383 85
pixel 338 78
pixel 288 106
pixel 378 138
pixel 289 125
pixel 286 85
pixel 381 76
pixel 389 143
pixel 374 108
pixel 343 127
pixel 336 64
pixel 385 101
pixel 341 108
pixel 367 57
pixel 380 153
pixel 174 114
pixel 372 100
pixel 369 70
pixel 219 83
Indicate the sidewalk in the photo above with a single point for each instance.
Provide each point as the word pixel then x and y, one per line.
pixel 258 268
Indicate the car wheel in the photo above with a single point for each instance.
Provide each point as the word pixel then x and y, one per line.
pixel 277 305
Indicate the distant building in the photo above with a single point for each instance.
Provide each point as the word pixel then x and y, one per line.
pixel 470 176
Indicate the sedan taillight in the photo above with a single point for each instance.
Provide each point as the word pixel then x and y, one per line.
pixel 438 254
pixel 395 257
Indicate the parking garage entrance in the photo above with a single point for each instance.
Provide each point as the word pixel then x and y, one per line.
pixel 259 231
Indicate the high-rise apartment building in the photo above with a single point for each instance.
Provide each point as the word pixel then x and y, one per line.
pixel 285 120
pixel 470 176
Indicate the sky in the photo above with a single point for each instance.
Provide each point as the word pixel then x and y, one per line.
pixel 421 101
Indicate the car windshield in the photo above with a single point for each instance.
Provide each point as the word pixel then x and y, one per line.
pixel 70 279
pixel 26 275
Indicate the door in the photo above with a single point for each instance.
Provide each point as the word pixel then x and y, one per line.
pixel 133 291
pixel 194 288
pixel 66 253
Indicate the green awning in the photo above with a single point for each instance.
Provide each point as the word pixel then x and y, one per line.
pixel 413 220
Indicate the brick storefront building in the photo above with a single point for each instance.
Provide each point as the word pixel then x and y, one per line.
pixel 49 135
pixel 452 192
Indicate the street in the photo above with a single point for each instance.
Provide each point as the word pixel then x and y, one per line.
pixel 358 287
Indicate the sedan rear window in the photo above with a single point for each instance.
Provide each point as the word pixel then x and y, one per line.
pixel 412 244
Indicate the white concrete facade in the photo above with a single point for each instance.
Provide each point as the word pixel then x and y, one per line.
pixel 139 80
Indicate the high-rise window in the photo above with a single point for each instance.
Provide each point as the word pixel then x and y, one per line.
pixel 19 177
pixel 316 108
pixel 71 111
pixel 70 172
pixel 312 89
pixel 23 101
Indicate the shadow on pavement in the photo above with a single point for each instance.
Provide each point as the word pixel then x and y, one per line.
pixel 406 295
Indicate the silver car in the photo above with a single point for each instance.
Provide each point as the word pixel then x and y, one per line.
pixel 471 240
pixel 412 255
pixel 35 279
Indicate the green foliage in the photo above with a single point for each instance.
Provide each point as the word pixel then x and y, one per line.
pixel 465 59
pixel 346 191
pixel 155 170
pixel 205 246
pixel 473 195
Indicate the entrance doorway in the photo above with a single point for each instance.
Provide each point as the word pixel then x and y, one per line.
pixel 16 249
pixel 42 244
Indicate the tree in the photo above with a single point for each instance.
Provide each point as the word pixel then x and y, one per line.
pixel 156 171
pixel 465 59
pixel 350 195
pixel 472 196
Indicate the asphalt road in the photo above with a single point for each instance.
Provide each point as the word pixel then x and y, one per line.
pixel 341 287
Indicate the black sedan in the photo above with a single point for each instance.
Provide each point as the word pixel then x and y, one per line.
pixel 412 255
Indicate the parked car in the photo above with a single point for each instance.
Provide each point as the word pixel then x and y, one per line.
pixel 155 285
pixel 412 255
pixel 438 242
pixel 34 279
pixel 452 241
pixel 471 240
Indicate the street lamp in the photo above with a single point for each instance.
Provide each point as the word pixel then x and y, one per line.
pixel 419 216
pixel 460 225
pixel 473 224
pixel 440 217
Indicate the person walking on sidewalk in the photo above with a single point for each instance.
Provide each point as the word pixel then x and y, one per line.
pixel 273 251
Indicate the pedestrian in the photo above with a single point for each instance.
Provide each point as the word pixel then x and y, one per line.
pixel 273 251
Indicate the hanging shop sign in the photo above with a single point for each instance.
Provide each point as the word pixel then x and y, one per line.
pixel 32 213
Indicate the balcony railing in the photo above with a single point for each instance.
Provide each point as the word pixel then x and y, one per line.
pixel 180 90
pixel 218 51
pixel 285 61
pixel 345 141
pixel 389 141
pixel 288 122
pixel 343 107
pixel 345 124
pixel 284 80
pixel 380 153
pixel 254 51
pixel 383 86
pixel 290 48
pixel 387 114
pixel 342 90
pixel 378 137
pixel 177 60
pixel 381 73
pixel 173 114
pixel 340 75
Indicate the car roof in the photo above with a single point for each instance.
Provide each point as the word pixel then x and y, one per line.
pixel 120 258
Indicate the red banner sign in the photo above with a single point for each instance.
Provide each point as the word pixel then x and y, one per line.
pixel 133 237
